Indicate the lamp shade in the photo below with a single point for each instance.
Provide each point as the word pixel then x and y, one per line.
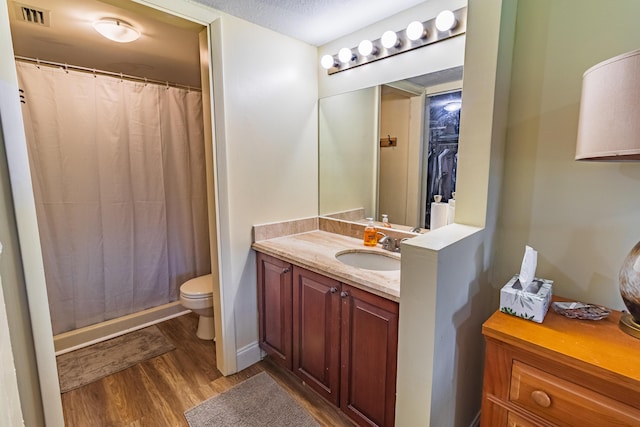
pixel 609 125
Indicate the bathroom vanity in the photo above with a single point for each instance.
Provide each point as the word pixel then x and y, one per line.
pixel 334 325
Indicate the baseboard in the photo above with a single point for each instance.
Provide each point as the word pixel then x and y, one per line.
pixel 476 421
pixel 83 337
pixel 247 356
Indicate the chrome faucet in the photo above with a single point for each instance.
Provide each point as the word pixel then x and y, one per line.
pixel 388 242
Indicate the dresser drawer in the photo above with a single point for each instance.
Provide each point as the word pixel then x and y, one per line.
pixel 566 403
pixel 514 420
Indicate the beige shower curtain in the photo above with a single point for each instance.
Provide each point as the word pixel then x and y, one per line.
pixel 118 171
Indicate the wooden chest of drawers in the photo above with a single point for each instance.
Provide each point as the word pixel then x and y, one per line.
pixel 563 372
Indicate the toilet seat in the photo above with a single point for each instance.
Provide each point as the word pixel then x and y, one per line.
pixel 197 288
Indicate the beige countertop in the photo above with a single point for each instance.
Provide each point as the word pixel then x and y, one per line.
pixel 316 251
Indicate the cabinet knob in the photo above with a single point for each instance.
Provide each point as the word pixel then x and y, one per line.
pixel 344 294
pixel 541 398
pixel 333 290
pixel 286 270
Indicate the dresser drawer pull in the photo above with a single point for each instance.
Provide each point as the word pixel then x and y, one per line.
pixel 541 398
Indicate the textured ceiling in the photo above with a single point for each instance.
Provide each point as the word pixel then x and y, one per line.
pixel 313 21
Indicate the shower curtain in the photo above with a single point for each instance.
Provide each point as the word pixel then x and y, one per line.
pixel 118 172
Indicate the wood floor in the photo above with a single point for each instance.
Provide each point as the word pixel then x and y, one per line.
pixel 156 392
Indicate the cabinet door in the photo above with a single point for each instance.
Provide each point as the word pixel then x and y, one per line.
pixel 316 332
pixel 369 356
pixel 274 308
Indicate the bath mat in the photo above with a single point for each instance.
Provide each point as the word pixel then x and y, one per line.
pixel 89 364
pixel 258 401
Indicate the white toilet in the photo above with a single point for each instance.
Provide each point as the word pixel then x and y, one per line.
pixel 197 295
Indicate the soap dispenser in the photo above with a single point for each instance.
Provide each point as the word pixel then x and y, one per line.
pixel 370 234
pixel 385 221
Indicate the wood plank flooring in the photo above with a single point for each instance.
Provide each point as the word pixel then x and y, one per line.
pixel 156 392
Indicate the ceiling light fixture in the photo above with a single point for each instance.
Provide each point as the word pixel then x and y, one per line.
pixel 116 30
pixel 453 106
pixel 445 25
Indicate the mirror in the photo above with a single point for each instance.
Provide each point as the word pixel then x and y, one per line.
pixel 377 149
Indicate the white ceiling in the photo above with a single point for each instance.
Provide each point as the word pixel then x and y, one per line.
pixel 313 21
pixel 168 47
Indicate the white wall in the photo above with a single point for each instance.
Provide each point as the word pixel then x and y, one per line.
pixel 267 159
pixel 582 217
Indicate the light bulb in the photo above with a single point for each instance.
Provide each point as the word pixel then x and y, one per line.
pixel 345 55
pixel 366 48
pixel 415 31
pixel 327 61
pixel 445 21
pixel 389 39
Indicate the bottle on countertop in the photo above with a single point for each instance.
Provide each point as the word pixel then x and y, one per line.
pixel 385 221
pixel 370 234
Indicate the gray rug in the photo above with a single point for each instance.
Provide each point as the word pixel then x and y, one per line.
pixel 89 364
pixel 258 401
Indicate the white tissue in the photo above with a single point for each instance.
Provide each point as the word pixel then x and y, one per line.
pixel 528 269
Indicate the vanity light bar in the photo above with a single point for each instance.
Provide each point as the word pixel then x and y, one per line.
pixel 404 41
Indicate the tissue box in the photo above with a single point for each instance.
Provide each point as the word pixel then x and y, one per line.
pixel 531 303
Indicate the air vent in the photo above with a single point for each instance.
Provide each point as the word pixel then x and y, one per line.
pixel 33 15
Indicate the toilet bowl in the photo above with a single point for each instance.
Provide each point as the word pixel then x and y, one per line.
pixel 197 295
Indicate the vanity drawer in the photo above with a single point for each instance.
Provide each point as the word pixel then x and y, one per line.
pixel 566 403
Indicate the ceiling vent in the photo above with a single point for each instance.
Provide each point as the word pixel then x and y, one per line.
pixel 33 15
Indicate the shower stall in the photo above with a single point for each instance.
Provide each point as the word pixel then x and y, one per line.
pixel 118 170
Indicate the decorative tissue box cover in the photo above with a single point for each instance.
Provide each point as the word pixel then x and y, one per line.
pixel 531 303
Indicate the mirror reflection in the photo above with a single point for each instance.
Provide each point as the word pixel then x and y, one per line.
pixel 389 149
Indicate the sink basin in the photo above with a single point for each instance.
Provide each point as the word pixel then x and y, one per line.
pixel 369 260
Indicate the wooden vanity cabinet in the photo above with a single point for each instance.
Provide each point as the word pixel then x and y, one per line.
pixel 343 341
pixel 274 308
pixel 563 372
pixel 369 357
pixel 316 332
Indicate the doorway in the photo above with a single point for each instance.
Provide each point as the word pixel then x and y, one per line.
pixel 29 242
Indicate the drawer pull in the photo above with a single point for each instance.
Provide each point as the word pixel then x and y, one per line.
pixel 541 398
